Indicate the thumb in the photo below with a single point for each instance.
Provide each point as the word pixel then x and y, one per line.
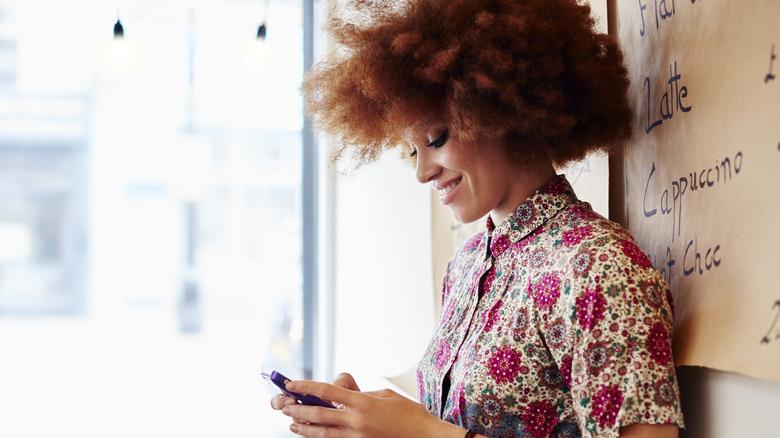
pixel 346 381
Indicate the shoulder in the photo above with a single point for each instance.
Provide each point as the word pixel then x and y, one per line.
pixel 581 228
pixel 609 270
pixel 597 257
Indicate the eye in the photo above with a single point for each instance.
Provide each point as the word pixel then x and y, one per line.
pixel 413 154
pixel 441 140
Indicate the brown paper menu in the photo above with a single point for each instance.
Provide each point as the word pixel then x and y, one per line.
pixel 703 171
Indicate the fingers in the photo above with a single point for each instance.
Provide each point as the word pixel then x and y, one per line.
pixel 315 431
pixel 279 401
pixel 314 415
pixel 346 381
pixel 340 396
pixel 343 380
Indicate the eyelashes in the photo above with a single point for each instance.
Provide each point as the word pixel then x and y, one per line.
pixel 437 143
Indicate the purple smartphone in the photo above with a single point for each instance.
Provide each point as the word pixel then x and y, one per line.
pixel 279 381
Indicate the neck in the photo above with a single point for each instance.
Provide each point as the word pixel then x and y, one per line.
pixel 525 184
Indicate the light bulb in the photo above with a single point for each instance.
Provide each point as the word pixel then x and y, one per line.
pixel 119 30
pixel 119 54
pixel 257 53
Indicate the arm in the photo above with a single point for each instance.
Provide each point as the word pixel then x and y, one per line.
pixel 357 418
pixel 619 359
pixel 649 431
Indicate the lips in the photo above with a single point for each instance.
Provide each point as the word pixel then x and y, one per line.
pixel 446 189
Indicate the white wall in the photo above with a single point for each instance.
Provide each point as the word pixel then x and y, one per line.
pixel 718 404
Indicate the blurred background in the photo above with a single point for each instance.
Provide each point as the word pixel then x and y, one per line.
pixel 150 215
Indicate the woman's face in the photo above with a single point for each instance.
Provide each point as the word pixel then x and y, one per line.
pixel 472 180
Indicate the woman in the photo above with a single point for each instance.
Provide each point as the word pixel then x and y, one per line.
pixel 554 322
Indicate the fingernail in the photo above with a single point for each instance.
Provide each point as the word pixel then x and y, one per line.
pixel 294 428
pixel 286 410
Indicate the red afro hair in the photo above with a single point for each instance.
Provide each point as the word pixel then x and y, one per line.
pixel 532 75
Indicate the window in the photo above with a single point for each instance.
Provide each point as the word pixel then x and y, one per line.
pixel 150 216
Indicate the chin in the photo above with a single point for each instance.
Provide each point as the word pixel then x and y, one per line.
pixel 466 217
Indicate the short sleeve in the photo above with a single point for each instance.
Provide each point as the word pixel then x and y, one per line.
pixel 616 358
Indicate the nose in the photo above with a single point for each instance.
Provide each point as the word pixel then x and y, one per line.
pixel 427 169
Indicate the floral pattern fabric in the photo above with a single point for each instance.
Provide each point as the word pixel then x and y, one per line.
pixel 554 323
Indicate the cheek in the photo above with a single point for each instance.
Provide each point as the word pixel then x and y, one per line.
pixel 464 163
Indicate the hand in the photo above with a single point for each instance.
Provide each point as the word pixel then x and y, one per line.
pixel 380 414
pixel 343 380
pixel 346 381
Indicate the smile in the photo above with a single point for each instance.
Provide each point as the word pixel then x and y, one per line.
pixel 444 190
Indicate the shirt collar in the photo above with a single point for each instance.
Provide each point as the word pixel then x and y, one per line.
pixel 545 203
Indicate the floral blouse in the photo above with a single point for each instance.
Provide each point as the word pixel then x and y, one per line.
pixel 554 323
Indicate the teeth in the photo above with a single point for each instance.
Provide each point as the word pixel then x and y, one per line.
pixel 445 190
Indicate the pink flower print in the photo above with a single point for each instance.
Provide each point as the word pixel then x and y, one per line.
pixel 459 393
pixel 587 214
pixel 606 405
pixel 499 245
pixel 519 325
pixel 652 294
pixel 538 257
pixel 492 407
pixel 449 312
pixel 575 235
pixel 525 213
pixel 493 316
pixel 547 291
pixel 597 357
pixel 582 262
pixel 665 393
pixel 555 186
pixel 540 419
pixel 504 365
pixel 443 354
pixel 573 220
pixel 636 255
pixel 556 334
pixel 421 387
pixel 551 377
pixel 565 368
pixel 658 344
pixel 473 242
pixel 458 407
pixel 591 307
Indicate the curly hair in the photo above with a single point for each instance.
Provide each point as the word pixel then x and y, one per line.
pixel 532 75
